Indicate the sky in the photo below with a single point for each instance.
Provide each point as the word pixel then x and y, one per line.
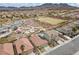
pixel 75 4
pixel 29 4
pixel 20 4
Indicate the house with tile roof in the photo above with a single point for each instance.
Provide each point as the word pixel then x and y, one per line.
pixel 6 49
pixel 51 36
pixel 23 46
pixel 38 43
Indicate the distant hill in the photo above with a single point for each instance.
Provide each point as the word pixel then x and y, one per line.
pixel 56 6
pixel 43 6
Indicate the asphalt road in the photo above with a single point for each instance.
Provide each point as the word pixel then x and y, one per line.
pixel 67 49
pixel 77 53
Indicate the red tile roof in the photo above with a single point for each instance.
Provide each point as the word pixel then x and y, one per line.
pixel 37 41
pixel 18 30
pixel 6 49
pixel 31 22
pixel 23 41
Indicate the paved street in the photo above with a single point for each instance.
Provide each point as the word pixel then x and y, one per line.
pixel 68 49
pixel 77 53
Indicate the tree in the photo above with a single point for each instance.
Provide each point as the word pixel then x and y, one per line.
pixel 74 29
pixel 22 47
pixel 34 15
pixel 53 40
pixel 49 14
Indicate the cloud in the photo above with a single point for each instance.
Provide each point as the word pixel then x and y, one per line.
pixel 74 4
pixel 30 4
pixel 19 4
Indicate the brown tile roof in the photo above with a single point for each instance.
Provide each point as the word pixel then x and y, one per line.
pixel 37 41
pixel 31 22
pixel 6 49
pixel 23 41
pixel 18 30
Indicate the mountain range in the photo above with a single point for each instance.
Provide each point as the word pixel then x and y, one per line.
pixel 42 6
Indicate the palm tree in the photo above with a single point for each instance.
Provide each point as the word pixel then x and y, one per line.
pixel 22 48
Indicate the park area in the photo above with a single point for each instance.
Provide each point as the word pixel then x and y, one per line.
pixel 50 20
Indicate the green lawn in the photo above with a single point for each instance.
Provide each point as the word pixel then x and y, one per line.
pixel 52 21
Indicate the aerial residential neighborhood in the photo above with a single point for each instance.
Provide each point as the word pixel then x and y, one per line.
pixel 47 29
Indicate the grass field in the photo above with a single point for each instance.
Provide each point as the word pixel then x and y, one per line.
pixel 52 21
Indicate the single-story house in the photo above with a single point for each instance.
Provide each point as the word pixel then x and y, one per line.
pixel 6 49
pixel 23 46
